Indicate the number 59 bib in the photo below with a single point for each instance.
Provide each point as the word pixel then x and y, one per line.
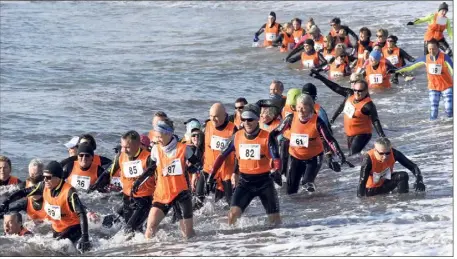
pixel 132 168
pixel 249 151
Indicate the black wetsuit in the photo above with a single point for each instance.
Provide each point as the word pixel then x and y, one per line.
pixel 358 142
pixel 74 233
pixel 398 179
pixel 202 180
pixel 5 183
pixel 307 168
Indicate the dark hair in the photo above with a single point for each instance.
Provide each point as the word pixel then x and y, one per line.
pixel 296 19
pixel 241 100
pixel 132 136
pixel 91 140
pixel 5 159
pixel 160 114
pixel 17 215
pixel 363 82
pixel 279 83
pixel 432 41
pixel 336 20
pixel 365 29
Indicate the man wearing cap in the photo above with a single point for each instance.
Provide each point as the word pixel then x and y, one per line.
pixel 310 58
pixel 5 172
pixel 62 205
pixel 437 24
pixel 82 173
pixel 395 55
pixel 258 159
pixel 218 131
pixel 377 72
pixel 72 146
pixel 271 29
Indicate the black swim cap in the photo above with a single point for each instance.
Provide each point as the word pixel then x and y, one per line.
pixel 85 148
pixel 443 6
pixel 393 37
pixel 336 20
pixel 273 14
pixel 310 89
pixel 54 168
pixel 309 42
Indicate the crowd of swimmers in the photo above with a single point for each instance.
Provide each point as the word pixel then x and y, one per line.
pixel 241 156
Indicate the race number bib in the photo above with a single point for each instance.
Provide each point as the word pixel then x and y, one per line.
pixel 318 46
pixel 250 151
pixel 132 168
pixel 393 59
pixel 116 181
pixel 174 168
pixel 386 174
pixel 299 140
pixel 328 57
pixel 360 56
pixel 53 211
pixel 336 74
pixel 441 20
pixel 375 79
pixel 308 63
pixel 80 182
pixel 434 69
pixel 270 36
pixel 349 109
pixel 296 39
pixel 218 143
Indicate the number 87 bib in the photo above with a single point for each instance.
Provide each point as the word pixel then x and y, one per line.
pixel 249 151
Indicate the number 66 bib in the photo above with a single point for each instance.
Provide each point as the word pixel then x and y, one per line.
pixel 249 151
pixel 53 211
pixel 132 168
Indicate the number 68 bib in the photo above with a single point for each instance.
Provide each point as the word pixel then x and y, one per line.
pixel 53 211
pixel 249 151
pixel 132 168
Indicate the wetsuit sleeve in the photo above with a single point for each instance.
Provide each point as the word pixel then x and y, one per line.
pixel 19 206
pixel 327 137
pixel 370 110
pixel 294 52
pixel 77 207
pixel 404 161
pixel 339 110
pixel 343 91
pixel 37 189
pixel 260 31
pixel 273 146
pixel 449 29
pixel 149 172
pixel 221 158
pixel 323 116
pixel 278 41
pixel 404 55
pixel 449 64
pixel 419 62
pixel 22 185
pixel 283 126
pixel 193 159
pixel 68 160
pixel 428 18
pixel 294 59
pixel 365 170
pixel 322 60
pixel 352 33
pixel 67 170
pixel 231 118
pixel 105 161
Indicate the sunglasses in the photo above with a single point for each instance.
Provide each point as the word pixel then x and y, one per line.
pixel 84 155
pixel 239 107
pixel 390 41
pixel 383 154
pixel 358 91
pixel 194 135
pixel 248 120
pixel 47 178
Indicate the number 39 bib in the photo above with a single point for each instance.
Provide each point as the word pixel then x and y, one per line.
pixel 174 168
pixel 249 151
pixel 53 211
pixel 80 182
pixel 132 168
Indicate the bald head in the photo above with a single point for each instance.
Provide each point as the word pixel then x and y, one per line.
pixel 217 114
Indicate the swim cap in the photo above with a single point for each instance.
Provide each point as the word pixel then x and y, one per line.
pixel 393 37
pixel 85 148
pixel 192 124
pixel 275 97
pixel 145 140
pixel 310 89
pixel 309 42
pixel 270 103
pixel 376 55
pixel 336 20
pixel 251 111
pixel 273 14
pixel 163 127
pixel 54 168
pixel 292 95
pixel 443 6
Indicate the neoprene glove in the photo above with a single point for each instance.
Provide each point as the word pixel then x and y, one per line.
pixel 211 184
pixel 4 207
pixel 419 185
pixel 410 23
pixel 135 187
pixel 84 244
pixel 277 178
pixel 256 38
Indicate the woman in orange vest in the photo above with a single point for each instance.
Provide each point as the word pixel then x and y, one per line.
pixel 170 158
pixel 377 174
pixel 377 72
pixel 83 173
pixel 258 160
pixel 299 32
pixel 62 206
pixel 314 34
pixel 269 117
pixel 309 58
pixel 285 40
pixel 438 23
pixel 306 148
pixel 395 55
pixel 339 68
pixel 271 29
pixel 359 112
pixel 5 172
pixel 439 67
